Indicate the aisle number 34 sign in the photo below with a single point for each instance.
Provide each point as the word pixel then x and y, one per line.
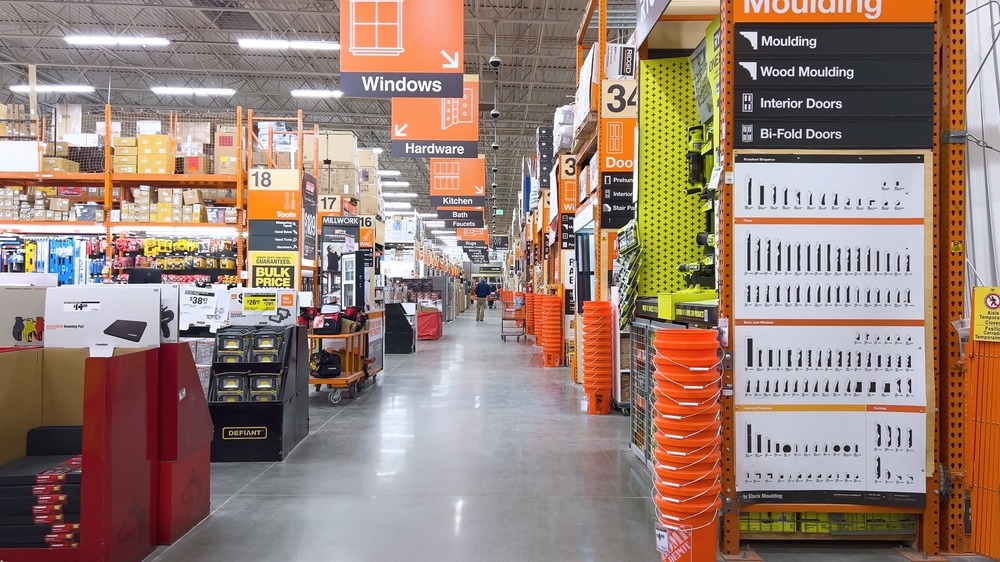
pixel 619 115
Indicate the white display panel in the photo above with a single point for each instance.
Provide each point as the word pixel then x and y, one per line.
pixel 830 336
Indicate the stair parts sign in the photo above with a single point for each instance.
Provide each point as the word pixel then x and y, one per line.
pixel 446 127
pixel 402 48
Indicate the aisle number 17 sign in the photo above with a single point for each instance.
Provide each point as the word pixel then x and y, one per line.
pixel 401 48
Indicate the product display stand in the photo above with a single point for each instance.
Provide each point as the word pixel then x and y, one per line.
pixel 247 431
pixel 400 335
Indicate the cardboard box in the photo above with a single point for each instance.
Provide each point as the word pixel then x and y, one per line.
pixel 192 197
pixel 133 169
pixel 196 165
pixel 124 160
pixel 227 144
pixel 23 309
pixel 154 141
pixel 57 164
pixel 124 142
pixel 231 216
pixel 159 164
pixel 118 317
pixel 60 149
pixel 57 204
pixel 164 210
pixel 126 151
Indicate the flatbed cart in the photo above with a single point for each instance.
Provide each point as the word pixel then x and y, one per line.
pixel 354 370
pixel 512 321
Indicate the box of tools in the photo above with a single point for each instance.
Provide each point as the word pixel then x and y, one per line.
pixel 258 392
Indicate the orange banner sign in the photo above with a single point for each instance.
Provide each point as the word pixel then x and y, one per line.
pixel 458 176
pixel 426 128
pixel 473 234
pixel 834 11
pixel 392 48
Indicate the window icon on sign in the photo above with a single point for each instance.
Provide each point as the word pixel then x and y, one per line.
pixel 747 103
pixel 455 111
pixel 747 133
pixel 446 176
pixel 376 28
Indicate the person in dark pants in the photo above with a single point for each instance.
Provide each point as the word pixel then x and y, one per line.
pixel 332 260
pixel 482 292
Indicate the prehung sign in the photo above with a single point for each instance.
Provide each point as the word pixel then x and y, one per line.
pixel 395 48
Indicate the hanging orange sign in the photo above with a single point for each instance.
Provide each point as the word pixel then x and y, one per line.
pixel 391 48
pixel 458 176
pixel 473 234
pixel 834 11
pixel 567 183
pixel 428 128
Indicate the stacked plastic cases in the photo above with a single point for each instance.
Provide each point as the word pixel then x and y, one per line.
pixel 687 475
pixel 233 344
pixel 551 332
pixel 266 345
pixel 538 314
pixel 529 313
pixel 598 363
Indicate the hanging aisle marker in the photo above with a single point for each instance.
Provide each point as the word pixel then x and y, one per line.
pixel 428 128
pixel 393 49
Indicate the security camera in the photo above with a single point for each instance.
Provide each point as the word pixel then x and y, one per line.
pixel 495 62
pixel 495 169
pixel 494 186
pixel 495 146
pixel 495 113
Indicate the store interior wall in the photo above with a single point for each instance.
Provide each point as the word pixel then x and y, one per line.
pixel 983 176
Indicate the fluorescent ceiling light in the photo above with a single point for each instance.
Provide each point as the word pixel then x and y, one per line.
pixel 53 88
pixel 442 231
pixel 427 215
pixel 433 224
pixel 391 213
pixel 281 45
pixel 378 150
pixel 397 205
pixel 389 173
pixel 395 184
pixel 180 91
pixel 397 195
pixel 110 41
pixel 317 94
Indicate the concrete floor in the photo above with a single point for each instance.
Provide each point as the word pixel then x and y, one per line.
pixel 467 450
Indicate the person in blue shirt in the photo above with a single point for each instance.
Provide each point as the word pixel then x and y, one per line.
pixel 482 292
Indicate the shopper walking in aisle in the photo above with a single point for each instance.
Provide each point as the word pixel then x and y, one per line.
pixel 482 292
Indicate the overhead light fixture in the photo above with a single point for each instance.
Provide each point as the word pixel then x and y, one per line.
pixel 442 232
pixel 397 205
pixel 395 184
pixel 317 94
pixel 109 41
pixel 378 150
pixel 434 224
pixel 398 195
pixel 389 173
pixel 182 91
pixel 427 216
pixel 398 213
pixel 282 45
pixel 53 88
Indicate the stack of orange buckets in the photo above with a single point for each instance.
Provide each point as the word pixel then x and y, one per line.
pixel 529 313
pixel 551 331
pixel 598 365
pixel 688 472
pixel 539 313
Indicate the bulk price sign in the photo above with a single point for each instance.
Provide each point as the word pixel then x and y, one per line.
pixel 392 49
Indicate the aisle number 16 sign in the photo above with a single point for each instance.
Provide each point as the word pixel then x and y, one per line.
pixel 619 115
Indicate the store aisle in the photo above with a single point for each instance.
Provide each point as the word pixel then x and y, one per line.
pixel 467 450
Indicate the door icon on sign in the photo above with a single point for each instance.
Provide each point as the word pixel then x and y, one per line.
pixel 376 28
pixel 455 111
pixel 616 138
pixel 445 176
pixel 747 133
pixel 748 103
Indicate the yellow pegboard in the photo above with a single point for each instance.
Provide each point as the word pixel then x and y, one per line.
pixel 669 218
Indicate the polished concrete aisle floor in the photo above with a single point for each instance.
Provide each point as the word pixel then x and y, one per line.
pixel 467 450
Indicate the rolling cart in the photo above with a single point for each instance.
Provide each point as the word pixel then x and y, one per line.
pixel 512 321
pixel 354 368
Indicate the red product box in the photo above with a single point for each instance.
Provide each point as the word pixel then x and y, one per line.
pixel 183 494
pixel 48 518
pixel 65 527
pixel 46 509
pixel 57 538
pixel 46 490
pixel 54 499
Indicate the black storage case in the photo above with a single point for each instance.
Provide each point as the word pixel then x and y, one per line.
pixel 400 335
pixel 265 431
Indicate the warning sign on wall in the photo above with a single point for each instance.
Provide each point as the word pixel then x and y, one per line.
pixel 273 270
pixel 986 324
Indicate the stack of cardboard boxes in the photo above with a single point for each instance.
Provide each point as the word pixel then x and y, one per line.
pixel 14 122
pixel 37 204
pixel 155 154
pixel 173 206
pixel 337 155
pixel 369 191
pixel 226 146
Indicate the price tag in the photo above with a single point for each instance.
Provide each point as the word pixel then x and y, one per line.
pixel 197 301
pixel 82 306
pixel 265 304
pixel 713 182
pixel 662 539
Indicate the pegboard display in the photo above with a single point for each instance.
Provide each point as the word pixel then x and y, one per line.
pixel 669 218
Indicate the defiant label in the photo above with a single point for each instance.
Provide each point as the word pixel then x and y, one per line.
pixel 244 433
